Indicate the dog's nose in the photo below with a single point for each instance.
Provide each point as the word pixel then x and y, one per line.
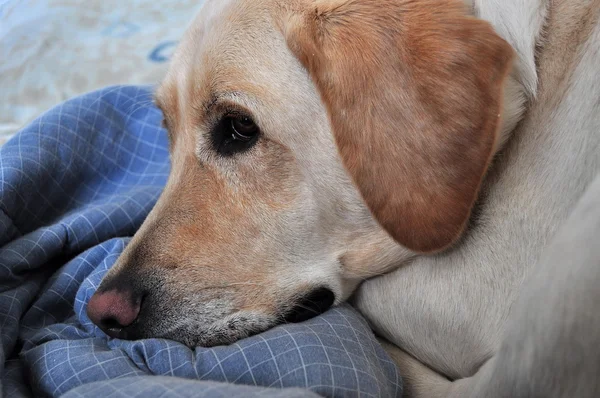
pixel 114 310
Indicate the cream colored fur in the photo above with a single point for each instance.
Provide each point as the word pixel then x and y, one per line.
pixel 458 311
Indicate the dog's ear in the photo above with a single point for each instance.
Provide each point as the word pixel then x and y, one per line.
pixel 414 92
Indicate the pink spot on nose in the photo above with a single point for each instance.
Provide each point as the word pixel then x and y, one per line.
pixel 113 310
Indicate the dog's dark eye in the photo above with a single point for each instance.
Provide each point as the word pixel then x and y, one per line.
pixel 242 128
pixel 234 134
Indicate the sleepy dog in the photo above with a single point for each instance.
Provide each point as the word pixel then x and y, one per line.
pixel 319 143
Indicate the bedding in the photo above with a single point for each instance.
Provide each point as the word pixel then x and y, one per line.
pixel 52 50
pixel 75 184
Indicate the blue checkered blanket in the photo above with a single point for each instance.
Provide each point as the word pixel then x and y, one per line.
pixel 74 186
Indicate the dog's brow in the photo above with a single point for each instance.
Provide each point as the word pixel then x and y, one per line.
pixel 221 97
pixel 208 104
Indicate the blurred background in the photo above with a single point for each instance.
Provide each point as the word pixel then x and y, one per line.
pixel 52 50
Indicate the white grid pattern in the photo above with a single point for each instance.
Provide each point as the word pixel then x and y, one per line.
pixel 73 186
pixel 155 387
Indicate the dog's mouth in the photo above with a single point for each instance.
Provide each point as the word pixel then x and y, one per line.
pixel 311 305
pixel 242 325
pixel 226 330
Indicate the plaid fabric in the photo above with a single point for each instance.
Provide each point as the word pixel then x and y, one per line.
pixel 158 386
pixel 74 186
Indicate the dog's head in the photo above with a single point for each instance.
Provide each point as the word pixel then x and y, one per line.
pixel 314 143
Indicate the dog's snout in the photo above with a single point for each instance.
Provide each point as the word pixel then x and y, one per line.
pixel 114 310
pixel 315 303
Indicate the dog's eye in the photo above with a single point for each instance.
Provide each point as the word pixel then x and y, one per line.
pixel 234 134
pixel 242 128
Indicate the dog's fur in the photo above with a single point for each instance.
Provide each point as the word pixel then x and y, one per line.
pixel 382 123
pixel 533 186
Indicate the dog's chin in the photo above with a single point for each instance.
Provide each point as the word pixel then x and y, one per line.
pixel 242 324
pixel 226 331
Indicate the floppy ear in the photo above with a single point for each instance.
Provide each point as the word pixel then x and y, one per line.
pixel 414 92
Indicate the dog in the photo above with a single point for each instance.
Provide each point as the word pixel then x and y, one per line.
pixel 430 149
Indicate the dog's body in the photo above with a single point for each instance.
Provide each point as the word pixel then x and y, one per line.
pixel 316 143
pixel 450 311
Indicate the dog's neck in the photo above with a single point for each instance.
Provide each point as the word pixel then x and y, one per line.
pixel 521 82
pixel 513 109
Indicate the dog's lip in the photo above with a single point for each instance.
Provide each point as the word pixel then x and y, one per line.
pixel 313 304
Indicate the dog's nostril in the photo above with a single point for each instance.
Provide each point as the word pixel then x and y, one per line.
pixel 111 324
pixel 315 303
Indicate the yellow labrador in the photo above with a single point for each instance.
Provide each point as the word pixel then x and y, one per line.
pixel 318 143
